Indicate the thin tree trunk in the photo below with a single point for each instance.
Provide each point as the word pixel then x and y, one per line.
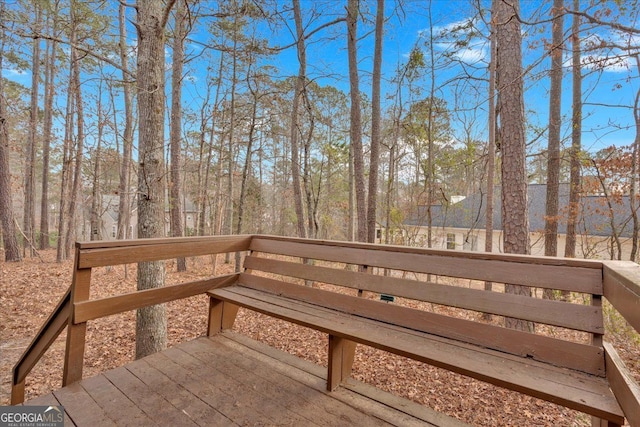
pixel 175 187
pixel 65 183
pixel 9 239
pixel 555 117
pixel 432 92
pixel 491 153
pixel 246 169
pixel 29 217
pixel 49 93
pixel 151 322
pixel 375 125
pixel 576 138
pixel 124 202
pixel 633 193
pixel 515 218
pixel 96 193
pixel 232 119
pixel 355 131
pixel 214 113
pixel 295 119
pixel 77 172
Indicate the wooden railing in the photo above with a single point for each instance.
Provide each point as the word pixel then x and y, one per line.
pixel 620 285
pixel 621 281
pixel 75 308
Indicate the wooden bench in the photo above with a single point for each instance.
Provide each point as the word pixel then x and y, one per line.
pixel 437 317
pixel 278 273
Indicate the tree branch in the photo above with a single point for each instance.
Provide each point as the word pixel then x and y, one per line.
pixel 321 27
pixel 166 13
pixel 594 20
pixel 85 50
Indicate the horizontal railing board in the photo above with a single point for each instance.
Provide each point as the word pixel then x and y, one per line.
pixel 102 244
pixel 551 276
pixel 583 392
pixel 622 289
pixel 160 250
pixel 585 318
pixel 478 255
pixel 95 309
pixel 582 357
pixel 50 330
pixel 623 385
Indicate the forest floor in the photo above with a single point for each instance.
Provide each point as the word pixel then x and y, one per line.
pixel 29 291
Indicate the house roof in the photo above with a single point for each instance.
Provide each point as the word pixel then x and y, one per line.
pixel 594 216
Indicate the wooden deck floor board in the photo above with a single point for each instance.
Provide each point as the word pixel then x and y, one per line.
pixel 191 405
pixel 310 403
pixel 47 400
pixel 229 380
pixel 362 397
pixel 208 391
pixel 147 399
pixel 244 393
pixel 115 403
pixel 81 407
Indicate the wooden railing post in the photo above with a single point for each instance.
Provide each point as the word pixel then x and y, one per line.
pixel 76 333
pixel 341 356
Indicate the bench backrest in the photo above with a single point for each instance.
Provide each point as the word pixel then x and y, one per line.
pixel 442 293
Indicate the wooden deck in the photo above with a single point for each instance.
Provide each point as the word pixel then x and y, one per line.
pixel 230 380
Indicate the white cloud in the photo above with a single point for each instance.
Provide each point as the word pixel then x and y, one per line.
pixel 462 26
pixel 474 52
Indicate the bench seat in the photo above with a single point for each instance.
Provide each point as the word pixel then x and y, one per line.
pixel 346 317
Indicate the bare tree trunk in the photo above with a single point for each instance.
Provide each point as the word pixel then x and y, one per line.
pixel 175 187
pixel 96 192
pixel 355 131
pixel 375 125
pixel 491 152
pixel 247 167
pixel 29 217
pixel 576 136
pixel 49 93
pixel 432 92
pixel 555 118
pixel 9 239
pixel 124 203
pixel 205 186
pixel 151 322
pixel 295 119
pixel 232 123
pixel 77 172
pixel 515 218
pixel 65 183
pixel 633 193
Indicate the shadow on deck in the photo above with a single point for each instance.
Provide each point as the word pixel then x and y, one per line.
pixel 230 379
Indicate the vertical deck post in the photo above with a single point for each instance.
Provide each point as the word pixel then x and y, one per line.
pixel 76 333
pixel 17 393
pixel 341 355
pixel 222 315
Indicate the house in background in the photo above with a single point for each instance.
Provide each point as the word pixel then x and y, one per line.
pixel 109 219
pixel 604 225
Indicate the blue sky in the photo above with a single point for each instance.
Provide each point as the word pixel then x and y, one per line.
pixel 616 84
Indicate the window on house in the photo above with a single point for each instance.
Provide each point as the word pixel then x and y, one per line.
pixel 113 230
pixel 451 240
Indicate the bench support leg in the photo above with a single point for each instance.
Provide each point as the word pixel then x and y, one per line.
pixel 341 355
pixel 597 422
pixel 221 316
